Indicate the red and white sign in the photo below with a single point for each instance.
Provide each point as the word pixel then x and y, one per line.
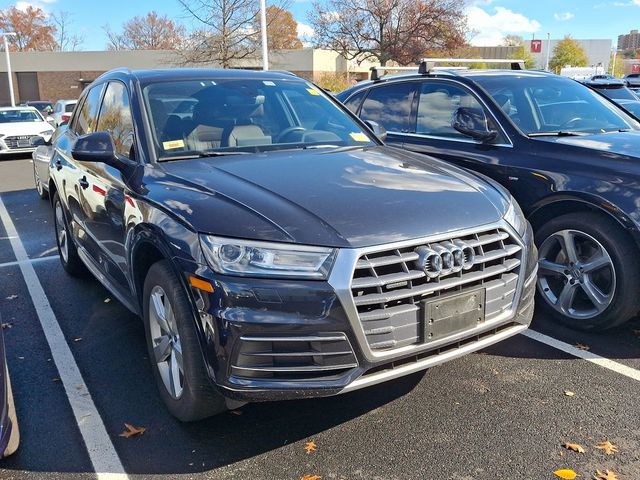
pixel 536 46
pixel 635 68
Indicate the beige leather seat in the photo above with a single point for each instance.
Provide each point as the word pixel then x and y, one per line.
pixel 247 135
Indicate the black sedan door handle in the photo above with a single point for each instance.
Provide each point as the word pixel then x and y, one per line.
pixel 84 183
pixel 58 165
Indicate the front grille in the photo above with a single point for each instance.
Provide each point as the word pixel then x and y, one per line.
pixel 388 287
pixel 294 358
pixel 18 141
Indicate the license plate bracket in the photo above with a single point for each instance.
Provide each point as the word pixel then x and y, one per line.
pixel 450 314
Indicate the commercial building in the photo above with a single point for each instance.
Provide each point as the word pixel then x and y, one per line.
pixel 59 75
pixel 629 41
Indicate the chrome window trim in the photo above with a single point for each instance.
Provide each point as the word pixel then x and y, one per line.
pixel 342 275
pixel 443 80
pixel 449 139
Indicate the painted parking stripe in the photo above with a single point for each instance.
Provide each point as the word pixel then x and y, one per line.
pixel 102 453
pixel 588 356
pixel 29 260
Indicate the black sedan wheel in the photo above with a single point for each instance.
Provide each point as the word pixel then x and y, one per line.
pixel 174 349
pixel 42 192
pixel 66 246
pixel 587 276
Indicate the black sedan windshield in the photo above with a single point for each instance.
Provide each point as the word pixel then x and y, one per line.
pixel 617 93
pixel 540 104
pixel 231 115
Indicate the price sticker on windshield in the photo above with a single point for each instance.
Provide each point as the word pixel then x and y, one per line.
pixel 170 145
pixel 313 91
pixel 359 137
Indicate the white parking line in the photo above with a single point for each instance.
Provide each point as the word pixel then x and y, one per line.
pixel 588 356
pixel 29 260
pixel 102 453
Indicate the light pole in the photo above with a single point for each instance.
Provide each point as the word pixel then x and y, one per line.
pixel 546 63
pixel 6 52
pixel 263 26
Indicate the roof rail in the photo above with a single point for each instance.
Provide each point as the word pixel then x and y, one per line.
pixel 376 76
pixel 428 64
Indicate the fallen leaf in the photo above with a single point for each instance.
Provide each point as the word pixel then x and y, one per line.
pixel 55 379
pixel 311 477
pixel 569 393
pixel 236 412
pixel 7 325
pixel 107 300
pixel 77 339
pixel 608 447
pixel 581 346
pixel 131 431
pixel 566 474
pixel 636 332
pixel 606 475
pixel 12 297
pixel 310 446
pixel 573 446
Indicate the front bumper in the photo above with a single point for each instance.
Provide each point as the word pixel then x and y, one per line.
pixel 247 320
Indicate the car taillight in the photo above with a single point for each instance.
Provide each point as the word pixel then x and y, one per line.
pixel 65 117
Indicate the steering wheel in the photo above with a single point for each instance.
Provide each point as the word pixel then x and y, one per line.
pixel 287 131
pixel 569 123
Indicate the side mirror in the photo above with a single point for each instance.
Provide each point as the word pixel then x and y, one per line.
pixel 473 123
pixel 95 147
pixel 377 129
pixel 51 121
pixel 38 141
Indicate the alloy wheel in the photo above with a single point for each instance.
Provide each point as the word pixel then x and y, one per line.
pixel 167 349
pixel 39 187
pixel 61 232
pixel 576 275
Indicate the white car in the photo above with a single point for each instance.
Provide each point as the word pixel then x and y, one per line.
pixel 62 111
pixel 18 125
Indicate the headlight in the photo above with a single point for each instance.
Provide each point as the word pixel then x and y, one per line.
pixel 515 218
pixel 265 259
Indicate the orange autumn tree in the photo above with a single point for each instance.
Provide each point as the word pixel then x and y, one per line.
pixel 34 31
pixel 282 29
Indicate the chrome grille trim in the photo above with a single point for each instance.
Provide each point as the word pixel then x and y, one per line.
pixel 371 319
pixel 12 141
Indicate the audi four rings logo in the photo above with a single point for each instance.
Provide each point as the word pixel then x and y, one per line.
pixel 444 258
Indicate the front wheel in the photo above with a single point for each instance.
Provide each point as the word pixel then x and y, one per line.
pixel 42 192
pixel 174 348
pixel 587 276
pixel 66 246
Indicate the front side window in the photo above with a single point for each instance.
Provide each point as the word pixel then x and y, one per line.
pixel 354 102
pixel 229 115
pixel 87 118
pixel 437 104
pixel 390 106
pixel 20 116
pixel 115 118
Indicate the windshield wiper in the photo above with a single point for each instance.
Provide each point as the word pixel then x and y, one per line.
pixel 559 133
pixel 204 154
pixel 311 147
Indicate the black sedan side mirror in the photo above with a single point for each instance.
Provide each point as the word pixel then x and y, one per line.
pixel 473 123
pixel 377 129
pixel 95 147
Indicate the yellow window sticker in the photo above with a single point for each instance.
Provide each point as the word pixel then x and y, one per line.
pixel 313 91
pixel 173 144
pixel 359 137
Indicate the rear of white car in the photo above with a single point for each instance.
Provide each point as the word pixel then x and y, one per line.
pixel 18 125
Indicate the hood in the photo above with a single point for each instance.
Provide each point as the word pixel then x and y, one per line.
pixel 24 128
pixel 619 143
pixel 340 197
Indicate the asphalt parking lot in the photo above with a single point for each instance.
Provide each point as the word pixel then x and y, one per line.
pixel 501 413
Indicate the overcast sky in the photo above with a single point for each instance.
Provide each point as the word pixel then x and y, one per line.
pixel 492 19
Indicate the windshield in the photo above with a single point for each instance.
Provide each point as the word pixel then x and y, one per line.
pixel 540 104
pixel 617 93
pixel 231 115
pixel 19 116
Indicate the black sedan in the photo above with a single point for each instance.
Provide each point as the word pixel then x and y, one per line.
pixel 567 154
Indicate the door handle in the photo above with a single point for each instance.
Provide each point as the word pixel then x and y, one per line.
pixel 58 165
pixel 84 183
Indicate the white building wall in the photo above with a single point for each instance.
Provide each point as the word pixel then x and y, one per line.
pixel 598 51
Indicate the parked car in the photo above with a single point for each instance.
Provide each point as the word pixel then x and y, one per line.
pixel 45 107
pixel 617 91
pixel 18 125
pixel 41 159
pixel 632 79
pixel 62 111
pixel 9 430
pixel 273 246
pixel 568 155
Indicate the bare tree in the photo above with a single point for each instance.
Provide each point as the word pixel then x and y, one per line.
pixel 399 30
pixel 33 30
pixel 512 41
pixel 151 32
pixel 65 39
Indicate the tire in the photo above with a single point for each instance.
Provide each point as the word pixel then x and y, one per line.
pixel 14 437
pixel 190 396
pixel 42 192
pixel 600 289
pixel 67 250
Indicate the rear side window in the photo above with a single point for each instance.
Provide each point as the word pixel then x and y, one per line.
pixel 115 118
pixel 390 106
pixel 69 107
pixel 87 118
